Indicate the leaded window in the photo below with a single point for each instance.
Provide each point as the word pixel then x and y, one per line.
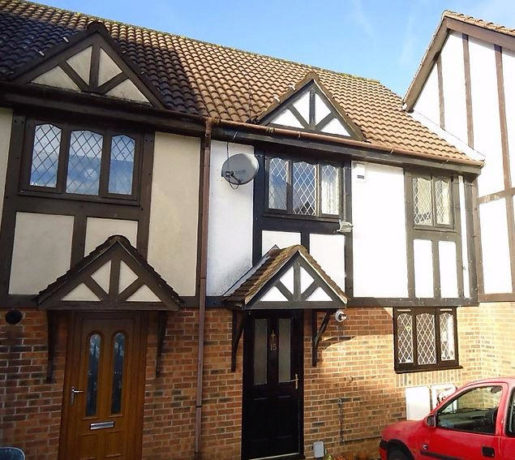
pixel 432 203
pixel 304 189
pixel 425 338
pixel 72 160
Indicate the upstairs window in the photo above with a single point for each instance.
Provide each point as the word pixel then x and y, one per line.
pixel 432 201
pixel 425 338
pixel 76 161
pixel 304 189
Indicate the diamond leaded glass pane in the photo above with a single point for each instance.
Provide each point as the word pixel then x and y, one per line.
pixel 447 336
pixel 304 188
pixel 426 339
pixel 422 204
pixel 329 188
pixel 122 165
pixel 443 201
pixel 84 162
pixel 45 156
pixel 277 183
pixel 405 338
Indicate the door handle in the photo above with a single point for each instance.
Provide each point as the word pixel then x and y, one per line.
pixel 73 393
pixel 488 452
pixel 295 380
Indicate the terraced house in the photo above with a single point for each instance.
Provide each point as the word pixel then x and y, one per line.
pixel 180 222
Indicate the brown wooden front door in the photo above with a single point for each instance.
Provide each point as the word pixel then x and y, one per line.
pixel 103 392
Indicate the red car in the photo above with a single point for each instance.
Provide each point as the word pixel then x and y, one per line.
pixel 476 422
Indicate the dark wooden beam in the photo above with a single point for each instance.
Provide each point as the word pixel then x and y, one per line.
pixel 317 333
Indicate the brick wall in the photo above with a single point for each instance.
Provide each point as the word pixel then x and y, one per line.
pixel 30 408
pixel 354 374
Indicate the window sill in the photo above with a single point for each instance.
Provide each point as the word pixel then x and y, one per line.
pixel 124 201
pixel 427 369
pixel 330 219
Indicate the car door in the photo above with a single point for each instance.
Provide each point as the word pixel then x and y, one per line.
pixel 507 441
pixel 467 425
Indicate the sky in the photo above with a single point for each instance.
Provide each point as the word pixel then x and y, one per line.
pixel 380 39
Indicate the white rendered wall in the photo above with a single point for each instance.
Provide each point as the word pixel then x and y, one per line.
pixel 464 242
pixel 279 239
pixel 42 251
pixel 485 114
pixel 99 229
pixel 508 64
pixel 428 102
pixel 495 249
pixel 229 253
pixel 379 232
pixel 172 245
pixel 6 118
pixel 329 252
pixel 453 76
pixel 448 269
pixel 423 261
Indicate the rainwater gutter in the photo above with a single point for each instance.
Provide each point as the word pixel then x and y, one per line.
pixel 203 234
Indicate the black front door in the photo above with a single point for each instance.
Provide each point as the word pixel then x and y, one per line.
pixel 272 385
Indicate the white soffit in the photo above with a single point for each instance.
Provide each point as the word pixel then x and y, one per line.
pixel 321 109
pixel 286 118
pixel 127 276
pixel 81 293
pixel 81 63
pixel 56 77
pixel 273 295
pixel 107 68
pixel 302 105
pixel 143 294
pixel 102 276
pixel 287 280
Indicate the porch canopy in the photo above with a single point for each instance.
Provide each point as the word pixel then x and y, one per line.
pixel 113 277
pixel 284 279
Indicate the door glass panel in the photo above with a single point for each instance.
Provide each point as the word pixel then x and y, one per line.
pixel 260 351
pixel 118 354
pixel 284 350
pixel 92 388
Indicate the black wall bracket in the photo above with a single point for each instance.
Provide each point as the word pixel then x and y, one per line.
pixel 239 319
pixel 317 333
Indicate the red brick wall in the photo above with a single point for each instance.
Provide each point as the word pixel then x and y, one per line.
pixel 30 408
pixel 355 368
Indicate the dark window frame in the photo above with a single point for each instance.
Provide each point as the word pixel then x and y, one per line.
pixel 433 178
pixel 288 212
pixel 440 364
pixel 59 191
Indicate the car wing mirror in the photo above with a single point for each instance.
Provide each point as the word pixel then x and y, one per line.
pixel 431 421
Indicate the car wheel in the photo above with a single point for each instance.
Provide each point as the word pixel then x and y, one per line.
pixel 397 454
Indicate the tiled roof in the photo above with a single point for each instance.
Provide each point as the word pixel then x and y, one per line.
pixel 478 22
pixel 258 276
pixel 211 80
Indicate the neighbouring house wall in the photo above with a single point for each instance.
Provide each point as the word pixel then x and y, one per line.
pixel 172 246
pixel 229 253
pixel 474 124
pixel 6 118
pixel 379 232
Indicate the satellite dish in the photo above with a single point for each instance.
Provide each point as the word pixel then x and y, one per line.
pixel 240 169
